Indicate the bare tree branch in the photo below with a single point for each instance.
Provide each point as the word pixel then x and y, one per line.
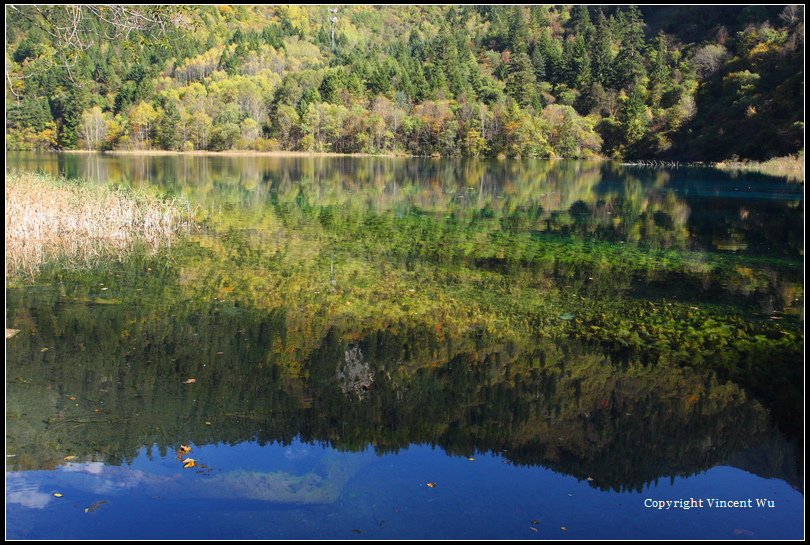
pixel 74 28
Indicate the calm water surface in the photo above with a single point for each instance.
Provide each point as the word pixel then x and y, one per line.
pixel 362 348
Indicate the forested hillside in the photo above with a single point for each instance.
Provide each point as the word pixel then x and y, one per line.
pixel 688 82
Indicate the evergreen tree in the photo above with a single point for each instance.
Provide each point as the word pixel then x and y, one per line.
pixel 660 73
pixel 538 63
pixel 601 53
pixel 68 106
pixel 29 112
pixel 168 136
pixel 449 60
pixel 552 52
pixel 628 67
pixel 580 24
pixel 518 32
pixel 633 117
pixel 310 96
pixel 521 83
pixel 538 15
pixel 577 62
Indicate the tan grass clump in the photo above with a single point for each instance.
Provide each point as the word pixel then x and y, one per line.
pixel 51 219
pixel 791 167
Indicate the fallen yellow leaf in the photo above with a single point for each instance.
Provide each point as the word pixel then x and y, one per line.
pixel 431 485
pixel 184 449
pixel 69 458
pixel 189 462
pixel 57 495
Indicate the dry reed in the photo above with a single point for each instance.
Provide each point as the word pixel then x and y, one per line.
pixel 78 225
pixel 791 167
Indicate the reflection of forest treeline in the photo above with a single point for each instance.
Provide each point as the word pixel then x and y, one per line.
pixel 626 306
pixel 112 381
pixel 493 214
pixel 439 293
pixel 598 200
pixel 498 274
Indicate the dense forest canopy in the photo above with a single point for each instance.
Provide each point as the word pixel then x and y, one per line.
pixel 685 82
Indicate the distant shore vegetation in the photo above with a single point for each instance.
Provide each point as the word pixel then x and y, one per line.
pixel 703 83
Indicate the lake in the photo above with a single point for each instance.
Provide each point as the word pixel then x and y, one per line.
pixel 380 348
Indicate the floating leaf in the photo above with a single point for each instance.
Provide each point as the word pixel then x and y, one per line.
pixel 471 459
pixel 190 381
pixel 532 528
pixel 431 485
pixel 564 528
pixel 535 521
pixel 589 479
pixel 69 458
pixel 57 494
pixel 207 423
pixel 189 462
pixel 44 349
pixel 184 449
pixel 72 398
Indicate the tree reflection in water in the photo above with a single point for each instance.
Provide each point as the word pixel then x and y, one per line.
pixel 602 321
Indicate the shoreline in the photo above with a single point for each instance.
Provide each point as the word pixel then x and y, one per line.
pixel 311 154
pixel 791 165
pixel 231 153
